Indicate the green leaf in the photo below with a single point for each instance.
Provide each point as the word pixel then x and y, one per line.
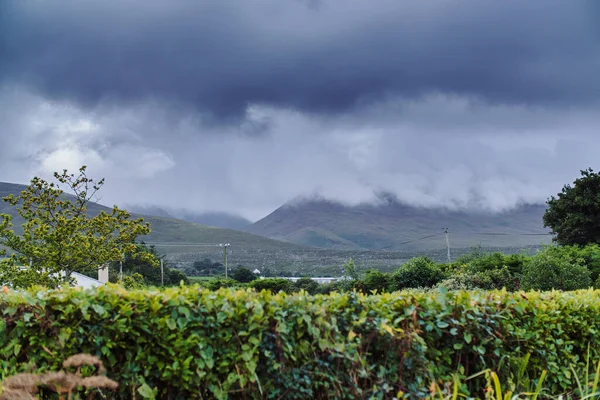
pixel 171 324
pixel 146 392
pixel 468 337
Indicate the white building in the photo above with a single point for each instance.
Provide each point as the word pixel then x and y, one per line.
pixel 87 282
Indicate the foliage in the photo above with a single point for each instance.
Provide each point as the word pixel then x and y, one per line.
pixel 274 285
pixel 500 278
pixel 419 272
pixel 307 284
pixel 575 214
pixel 549 270
pixel 207 267
pixel 133 281
pixel 494 261
pixel 147 268
pixel 190 342
pixel 59 237
pixel 243 275
pixel 349 277
pixel 375 280
pixel 218 283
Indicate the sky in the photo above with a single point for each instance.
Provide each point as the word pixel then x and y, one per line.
pixel 241 106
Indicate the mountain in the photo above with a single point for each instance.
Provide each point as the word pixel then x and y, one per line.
pixel 174 235
pixel 218 219
pixel 396 226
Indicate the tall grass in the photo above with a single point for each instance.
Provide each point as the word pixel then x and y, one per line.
pixel 522 388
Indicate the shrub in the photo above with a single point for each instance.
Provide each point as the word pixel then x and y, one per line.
pixel 419 272
pixel 327 288
pixel 307 284
pixel 495 261
pixel 274 285
pixel 243 275
pixel 487 280
pixel 218 283
pixel 375 280
pixel 547 270
pixel 190 342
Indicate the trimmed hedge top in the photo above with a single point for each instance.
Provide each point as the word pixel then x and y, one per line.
pixel 190 342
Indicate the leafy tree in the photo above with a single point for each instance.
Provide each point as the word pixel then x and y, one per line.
pixel 146 268
pixel 243 275
pixel 59 236
pixel 350 276
pixel 419 272
pixel 307 284
pixel 574 216
pixel 208 267
pixel 375 280
pixel 275 285
pixel 548 270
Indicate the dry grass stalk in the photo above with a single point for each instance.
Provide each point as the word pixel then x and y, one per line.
pixel 25 385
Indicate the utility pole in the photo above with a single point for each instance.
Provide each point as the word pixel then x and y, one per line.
pixel 162 273
pixel 447 243
pixel 225 256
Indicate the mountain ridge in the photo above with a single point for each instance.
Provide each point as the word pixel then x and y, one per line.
pixel 396 226
pixel 170 231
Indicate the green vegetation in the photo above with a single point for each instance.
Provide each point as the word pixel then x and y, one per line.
pixel 139 271
pixel 189 342
pixel 170 230
pixel 575 214
pixel 58 237
pixel 243 275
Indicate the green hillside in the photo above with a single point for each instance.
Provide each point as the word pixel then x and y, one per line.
pixel 395 226
pixel 169 232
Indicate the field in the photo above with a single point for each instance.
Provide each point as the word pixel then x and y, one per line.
pixel 315 261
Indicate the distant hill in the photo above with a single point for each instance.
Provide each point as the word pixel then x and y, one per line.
pixel 218 219
pixel 395 226
pixel 173 233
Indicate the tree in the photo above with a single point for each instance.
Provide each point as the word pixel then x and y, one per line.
pixel 59 236
pixel 146 268
pixel 549 270
pixel 243 275
pixel 207 267
pixel 574 216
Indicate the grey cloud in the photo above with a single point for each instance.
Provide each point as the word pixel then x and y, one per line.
pixel 323 57
pixel 147 159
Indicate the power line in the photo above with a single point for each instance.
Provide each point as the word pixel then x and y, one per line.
pixel 175 244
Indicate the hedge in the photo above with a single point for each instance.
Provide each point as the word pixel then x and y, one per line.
pixel 190 342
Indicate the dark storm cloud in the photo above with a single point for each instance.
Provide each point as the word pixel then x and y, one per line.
pixel 324 57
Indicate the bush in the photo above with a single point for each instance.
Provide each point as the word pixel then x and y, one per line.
pixel 274 285
pixel 487 280
pixel 548 270
pixel 218 283
pixel 243 275
pixel 495 261
pixel 375 280
pixel 190 342
pixel 327 288
pixel 419 272
pixel 307 284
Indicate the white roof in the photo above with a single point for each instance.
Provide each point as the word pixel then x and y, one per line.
pixel 85 281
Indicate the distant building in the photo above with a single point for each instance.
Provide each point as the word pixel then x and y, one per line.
pixel 86 282
pixel 256 271
pixel 317 279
